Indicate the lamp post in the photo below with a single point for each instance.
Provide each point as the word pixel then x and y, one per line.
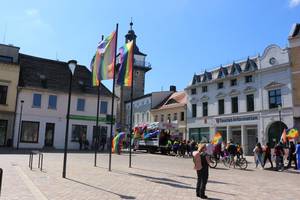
pixel 279 112
pixel 72 65
pixel 20 122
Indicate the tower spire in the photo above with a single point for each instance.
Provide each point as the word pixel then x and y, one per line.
pixel 131 24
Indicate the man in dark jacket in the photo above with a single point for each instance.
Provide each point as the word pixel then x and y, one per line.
pixel 292 155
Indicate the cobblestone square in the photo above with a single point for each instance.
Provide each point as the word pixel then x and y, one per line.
pixel 151 177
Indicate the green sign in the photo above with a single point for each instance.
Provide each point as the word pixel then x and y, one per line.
pixel 106 119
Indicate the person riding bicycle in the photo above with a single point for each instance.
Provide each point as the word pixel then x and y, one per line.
pixel 279 153
pixel 240 151
pixel 232 150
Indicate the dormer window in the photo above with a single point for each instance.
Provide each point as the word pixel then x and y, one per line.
pixel 220 85
pixel 250 66
pixel 193 91
pixel 235 69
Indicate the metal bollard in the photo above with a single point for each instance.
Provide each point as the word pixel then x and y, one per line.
pixel 1 174
pixel 42 159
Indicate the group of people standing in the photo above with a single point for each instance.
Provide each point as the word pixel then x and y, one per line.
pixel 262 154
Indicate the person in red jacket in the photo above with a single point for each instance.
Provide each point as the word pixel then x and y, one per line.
pixel 201 160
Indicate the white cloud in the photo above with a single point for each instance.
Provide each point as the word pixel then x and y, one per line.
pixel 32 12
pixel 294 3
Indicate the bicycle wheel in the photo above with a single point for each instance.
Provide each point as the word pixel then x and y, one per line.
pixel 214 162
pixel 226 161
pixel 243 163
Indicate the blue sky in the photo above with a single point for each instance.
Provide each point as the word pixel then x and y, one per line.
pixel 181 37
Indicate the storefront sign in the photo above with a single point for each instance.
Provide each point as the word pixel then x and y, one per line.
pixel 236 119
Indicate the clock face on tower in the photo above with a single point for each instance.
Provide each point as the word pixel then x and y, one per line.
pixel 272 61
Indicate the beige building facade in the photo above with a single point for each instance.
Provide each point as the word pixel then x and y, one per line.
pixel 294 53
pixel 172 113
pixel 9 77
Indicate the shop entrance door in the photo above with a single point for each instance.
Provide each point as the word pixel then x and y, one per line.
pixel 252 139
pixel 49 135
pixel 236 136
pixel 3 129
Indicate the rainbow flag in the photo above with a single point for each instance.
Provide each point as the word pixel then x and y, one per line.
pixel 102 64
pixel 126 65
pixel 283 136
pixel 217 139
pixel 292 133
pixel 117 142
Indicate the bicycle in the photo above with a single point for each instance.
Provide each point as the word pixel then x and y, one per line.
pixel 214 161
pixel 242 163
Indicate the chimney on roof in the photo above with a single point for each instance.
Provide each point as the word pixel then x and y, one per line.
pixel 172 88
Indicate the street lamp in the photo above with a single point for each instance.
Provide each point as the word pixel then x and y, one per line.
pixel 279 112
pixel 20 122
pixel 72 65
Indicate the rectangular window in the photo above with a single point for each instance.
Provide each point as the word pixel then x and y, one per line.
pixel 194 91
pixel 204 89
pixel 194 110
pixel 52 102
pixel 37 100
pixel 233 82
pixel 234 105
pixel 250 102
pixel 30 132
pixel 103 107
pixel 175 116
pixel 3 94
pixel 80 104
pixel 155 118
pixel 169 118
pixel 6 59
pixel 78 133
pixel 182 116
pixel 248 79
pixel 221 106
pixel 204 109
pixel 274 98
pixel 162 118
pixel 220 85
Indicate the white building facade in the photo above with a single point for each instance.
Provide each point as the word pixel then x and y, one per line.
pixel 248 101
pixel 43 120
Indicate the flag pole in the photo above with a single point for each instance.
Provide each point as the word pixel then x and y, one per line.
pixel 113 100
pixel 97 137
pixel 131 103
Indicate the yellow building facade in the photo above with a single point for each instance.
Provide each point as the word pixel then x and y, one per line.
pixel 172 113
pixel 9 78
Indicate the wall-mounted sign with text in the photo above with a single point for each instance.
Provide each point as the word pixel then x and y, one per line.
pixel 236 119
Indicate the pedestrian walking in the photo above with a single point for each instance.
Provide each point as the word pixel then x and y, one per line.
pixel 258 155
pixel 267 155
pixel 292 155
pixel 201 161
pixel 298 154
pixel 279 153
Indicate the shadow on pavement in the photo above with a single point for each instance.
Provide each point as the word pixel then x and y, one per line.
pixel 98 188
pixel 213 191
pixel 155 178
pixel 172 184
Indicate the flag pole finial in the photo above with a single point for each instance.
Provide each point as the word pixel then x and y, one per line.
pixel 131 24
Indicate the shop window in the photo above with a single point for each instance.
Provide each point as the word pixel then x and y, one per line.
pixel 30 132
pixel 79 132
